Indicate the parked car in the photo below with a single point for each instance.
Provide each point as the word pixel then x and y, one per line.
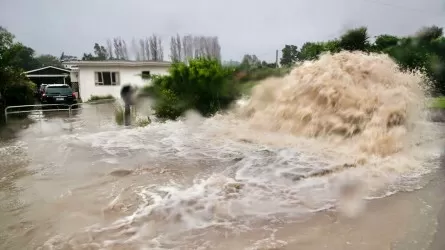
pixel 58 94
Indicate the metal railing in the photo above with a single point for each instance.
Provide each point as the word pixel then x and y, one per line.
pixel 66 107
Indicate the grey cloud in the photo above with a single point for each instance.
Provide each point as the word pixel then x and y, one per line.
pixel 248 26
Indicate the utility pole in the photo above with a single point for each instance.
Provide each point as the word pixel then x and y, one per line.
pixel 276 59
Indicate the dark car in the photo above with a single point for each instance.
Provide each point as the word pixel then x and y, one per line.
pixel 58 94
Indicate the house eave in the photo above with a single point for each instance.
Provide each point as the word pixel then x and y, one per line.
pixel 47 67
pixel 58 75
pixel 80 64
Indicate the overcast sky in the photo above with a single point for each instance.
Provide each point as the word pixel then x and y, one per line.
pixel 243 26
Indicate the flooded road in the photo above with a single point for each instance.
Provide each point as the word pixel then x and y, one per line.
pixel 84 183
pixel 336 155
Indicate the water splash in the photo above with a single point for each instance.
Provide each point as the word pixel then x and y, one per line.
pixel 333 133
pixel 348 96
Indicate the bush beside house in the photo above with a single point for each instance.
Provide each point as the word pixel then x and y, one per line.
pixel 15 88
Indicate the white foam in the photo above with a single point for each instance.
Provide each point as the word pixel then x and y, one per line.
pixel 259 176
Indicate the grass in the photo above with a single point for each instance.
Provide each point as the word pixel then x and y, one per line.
pixel 94 98
pixel 139 121
pixel 119 115
pixel 246 88
pixel 438 103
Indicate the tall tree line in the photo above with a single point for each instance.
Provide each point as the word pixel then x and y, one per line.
pixel 192 47
pixel 152 48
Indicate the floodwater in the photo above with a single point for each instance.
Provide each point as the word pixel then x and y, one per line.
pixel 234 181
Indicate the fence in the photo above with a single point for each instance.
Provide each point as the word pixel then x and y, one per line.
pixel 65 107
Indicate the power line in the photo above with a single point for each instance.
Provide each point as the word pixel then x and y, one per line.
pixel 403 7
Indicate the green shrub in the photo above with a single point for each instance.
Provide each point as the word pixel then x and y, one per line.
pixel 15 94
pixel 145 91
pixel 15 88
pixel 203 85
pixel 438 102
pixel 19 93
pixel 119 116
pixel 168 105
pixel 261 74
pixel 140 121
pixel 94 98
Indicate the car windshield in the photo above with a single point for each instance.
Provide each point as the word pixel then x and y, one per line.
pixel 63 90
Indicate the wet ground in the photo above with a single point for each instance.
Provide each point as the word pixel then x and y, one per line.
pixel 85 183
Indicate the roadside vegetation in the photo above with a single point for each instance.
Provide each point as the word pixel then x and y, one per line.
pixel 136 118
pixel 207 86
pixel 438 103
pixel 198 78
pixel 15 88
pixel 15 59
pixel 95 98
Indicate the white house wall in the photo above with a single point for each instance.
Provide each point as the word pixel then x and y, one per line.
pixel 74 76
pixel 127 75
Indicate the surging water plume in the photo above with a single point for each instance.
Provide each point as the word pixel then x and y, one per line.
pixel 351 96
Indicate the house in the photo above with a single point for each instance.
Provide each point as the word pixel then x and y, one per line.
pixel 70 65
pixel 101 78
pixel 49 75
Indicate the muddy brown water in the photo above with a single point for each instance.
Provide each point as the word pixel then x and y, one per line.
pixel 84 183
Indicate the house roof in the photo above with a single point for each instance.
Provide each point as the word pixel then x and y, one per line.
pixel 118 63
pixel 47 67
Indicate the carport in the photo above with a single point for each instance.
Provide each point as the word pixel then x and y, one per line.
pixel 49 75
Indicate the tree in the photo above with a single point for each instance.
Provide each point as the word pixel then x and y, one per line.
pixel 424 51
pixel 156 48
pixel 332 46
pixel 174 57
pixel 429 33
pixel 120 49
pixel 88 57
pixel 161 50
pixel 21 56
pixel 100 52
pixel 110 50
pixel 206 47
pixel 384 42
pixel 179 47
pixel 290 55
pixel 49 60
pixel 187 44
pixel 146 48
pixel 141 51
pixel 15 88
pixel 175 48
pixel 355 39
pixel 310 51
pixel 231 63
pixel 64 57
pixel 250 62
pixel 265 64
pixel 136 50
pixel 213 48
pixel 193 47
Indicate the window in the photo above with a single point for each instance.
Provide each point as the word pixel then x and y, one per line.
pixel 107 78
pixel 145 74
pixel 61 90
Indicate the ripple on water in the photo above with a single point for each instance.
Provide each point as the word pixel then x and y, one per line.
pixel 306 145
pixel 234 197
